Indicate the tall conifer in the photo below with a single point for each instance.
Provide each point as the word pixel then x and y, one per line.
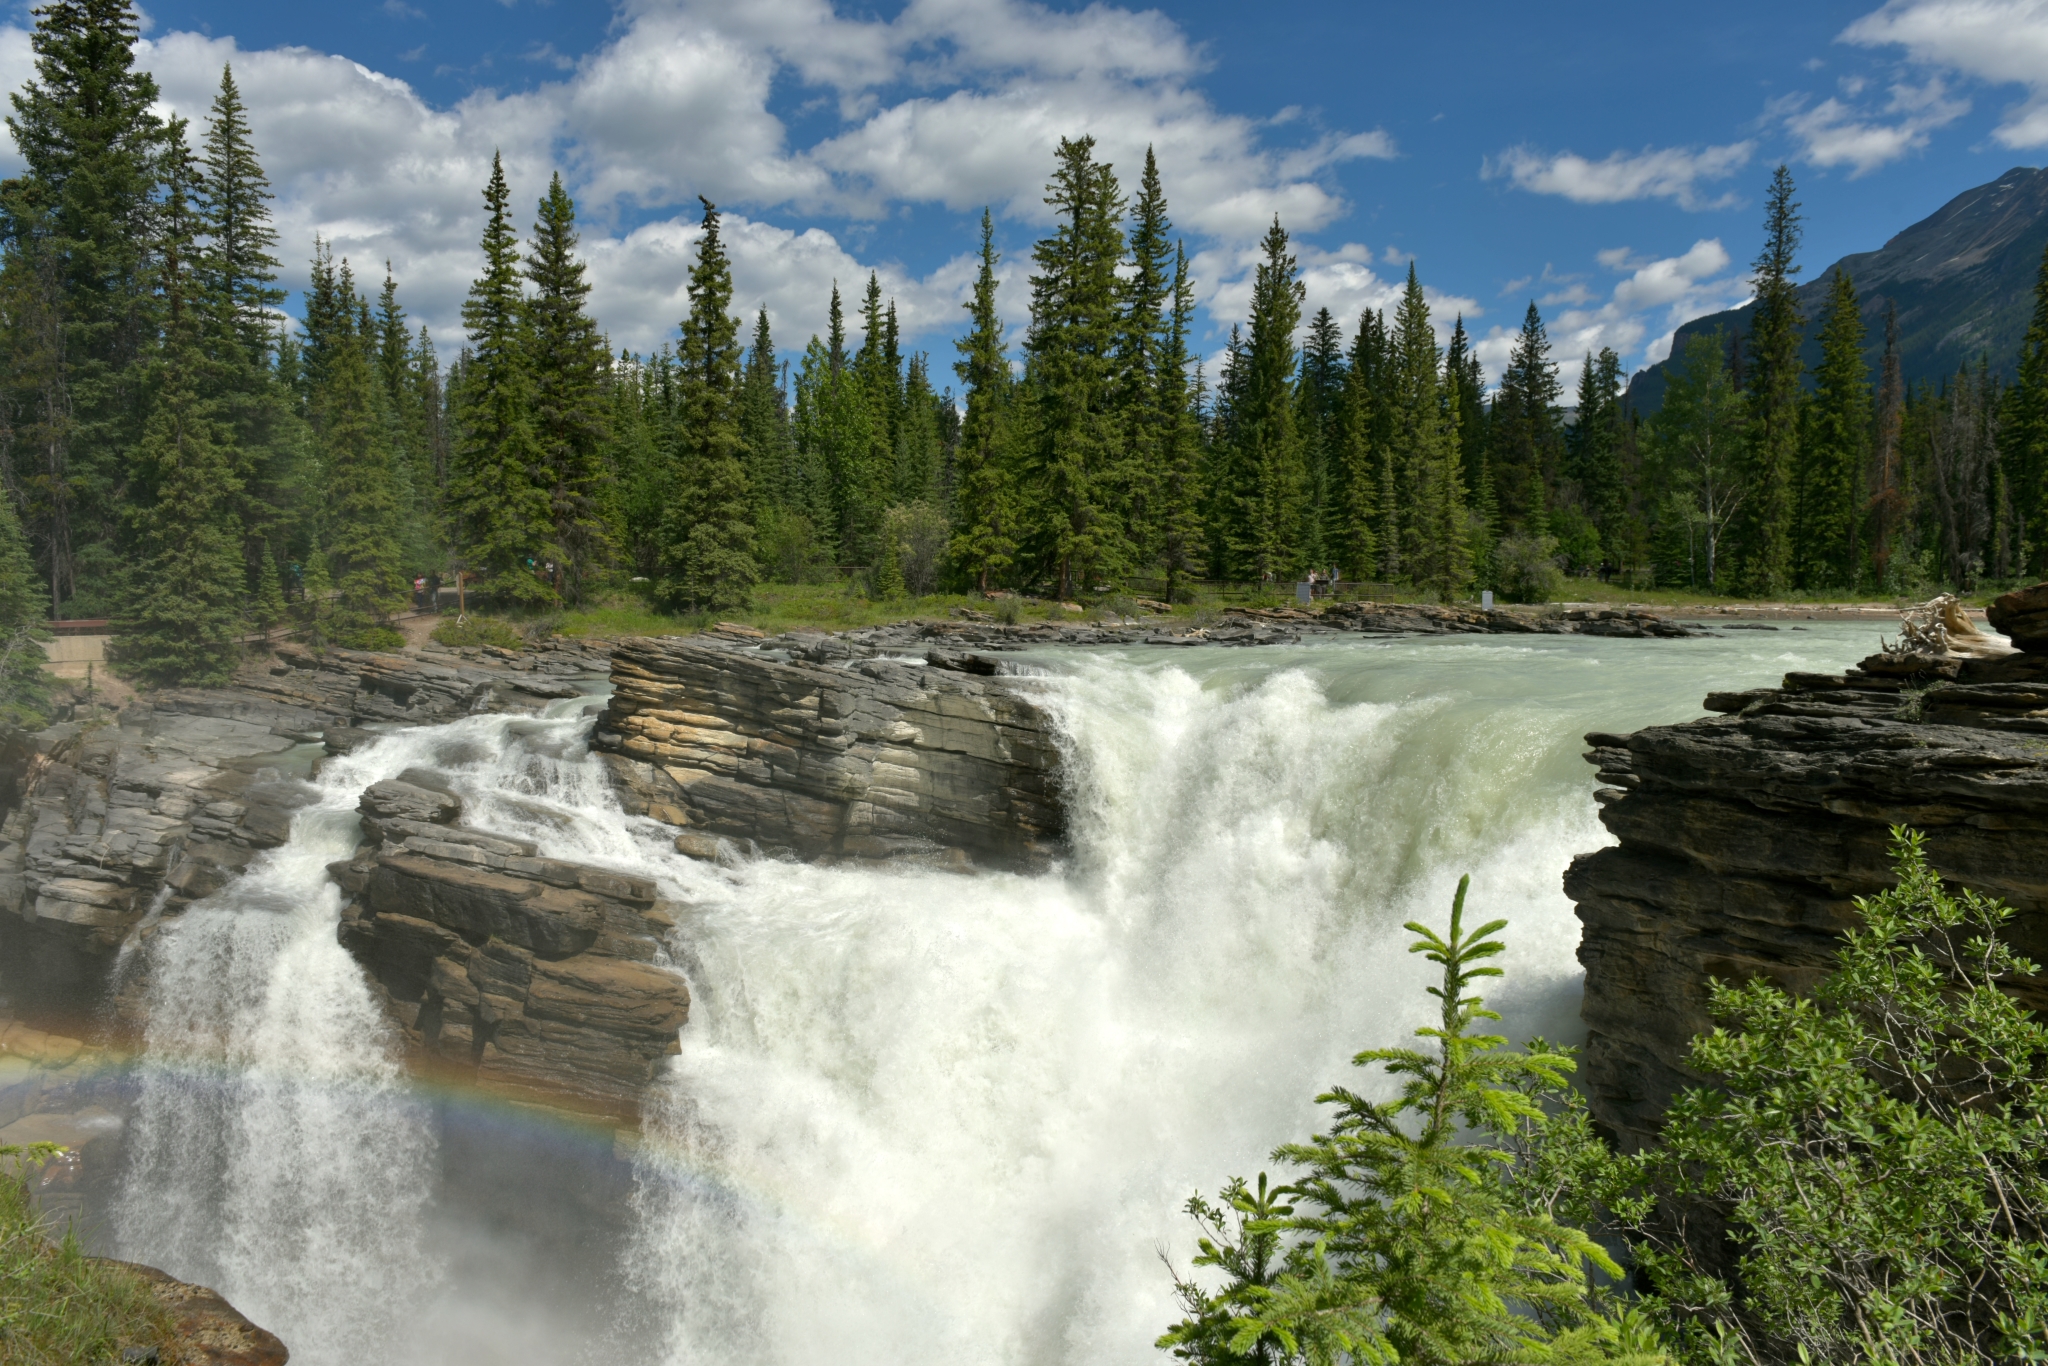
pixel 183 608
pixel 567 359
pixel 502 517
pixel 1177 507
pixel 1272 505
pixel 709 561
pixel 1834 443
pixel 1071 346
pixel 2023 430
pixel 1764 533
pixel 985 538
pixel 1355 463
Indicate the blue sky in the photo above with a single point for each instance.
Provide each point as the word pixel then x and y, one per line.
pixel 1604 159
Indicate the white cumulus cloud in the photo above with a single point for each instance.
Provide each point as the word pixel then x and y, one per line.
pixel 1836 132
pixel 1673 173
pixel 2001 42
pixel 949 103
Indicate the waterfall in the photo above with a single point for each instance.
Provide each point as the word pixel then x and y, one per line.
pixel 918 1116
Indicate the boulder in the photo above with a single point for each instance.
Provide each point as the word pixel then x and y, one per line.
pixel 2023 616
pixel 208 1330
pixel 539 978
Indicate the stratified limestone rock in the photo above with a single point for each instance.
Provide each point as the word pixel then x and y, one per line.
pixel 851 759
pixel 531 976
pixel 1745 836
pixel 108 817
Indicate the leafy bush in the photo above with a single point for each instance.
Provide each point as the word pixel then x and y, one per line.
pixel 790 549
pixel 1875 1154
pixel 1526 569
pixel 1578 540
pixel 1008 610
pixel 479 631
pixel 57 1305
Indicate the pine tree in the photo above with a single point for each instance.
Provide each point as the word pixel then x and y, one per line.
pixel 236 272
pixel 983 544
pixel 1888 494
pixel 1321 399
pixel 764 430
pixel 1140 358
pixel 1071 348
pixel 2023 430
pixel 917 438
pixel 81 227
pixel 1177 509
pixel 24 683
pixel 709 561
pixel 567 359
pixel 1271 504
pixel 502 518
pixel 362 513
pixel 1764 535
pixel 1526 431
pixel 235 275
pixel 1593 449
pixel 1355 467
pixel 182 609
pixel 1834 444
pixel 1436 553
pixel 1475 430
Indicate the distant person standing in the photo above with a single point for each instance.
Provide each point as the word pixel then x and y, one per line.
pixel 419 593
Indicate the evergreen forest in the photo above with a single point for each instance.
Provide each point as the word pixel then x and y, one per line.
pixel 182 457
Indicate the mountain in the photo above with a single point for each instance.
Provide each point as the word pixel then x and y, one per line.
pixel 1962 279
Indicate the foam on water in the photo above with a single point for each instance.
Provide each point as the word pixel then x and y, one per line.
pixel 918 1116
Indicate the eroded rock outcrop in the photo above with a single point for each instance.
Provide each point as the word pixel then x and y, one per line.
pixel 208 1330
pixel 1745 835
pixel 531 976
pixel 831 757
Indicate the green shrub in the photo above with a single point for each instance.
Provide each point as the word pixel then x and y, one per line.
pixel 1525 568
pixel 479 631
pixel 57 1305
pixel 1873 1158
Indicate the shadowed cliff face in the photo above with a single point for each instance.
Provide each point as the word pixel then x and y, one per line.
pixel 1745 836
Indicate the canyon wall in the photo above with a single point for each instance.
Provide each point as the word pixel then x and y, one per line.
pixel 1745 835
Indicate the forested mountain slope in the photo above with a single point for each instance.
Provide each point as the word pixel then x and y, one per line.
pixel 1962 280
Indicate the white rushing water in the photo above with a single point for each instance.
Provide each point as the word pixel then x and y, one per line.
pixel 918 1116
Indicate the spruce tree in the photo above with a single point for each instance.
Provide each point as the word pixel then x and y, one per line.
pixel 1435 551
pixel 1834 444
pixel 983 544
pixel 1071 348
pixel 81 227
pixel 235 275
pixel 567 359
pixel 501 513
pixel 1177 508
pixel 1526 431
pixel 1141 343
pixel 1888 494
pixel 764 430
pixel 1355 464
pixel 1593 449
pixel 709 558
pixel 24 683
pixel 236 271
pixel 2023 429
pixel 182 609
pixel 1321 399
pixel 1475 431
pixel 362 512
pixel 1764 533
pixel 1269 524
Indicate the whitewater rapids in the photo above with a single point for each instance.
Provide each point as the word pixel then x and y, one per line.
pixel 917 1116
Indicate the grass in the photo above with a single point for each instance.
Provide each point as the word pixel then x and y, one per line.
pixel 479 631
pixel 59 1306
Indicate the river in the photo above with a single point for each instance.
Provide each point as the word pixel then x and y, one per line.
pixel 917 1116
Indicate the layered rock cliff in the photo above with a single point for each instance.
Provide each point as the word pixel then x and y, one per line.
pixel 109 819
pixel 1745 835
pixel 531 976
pixel 811 753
